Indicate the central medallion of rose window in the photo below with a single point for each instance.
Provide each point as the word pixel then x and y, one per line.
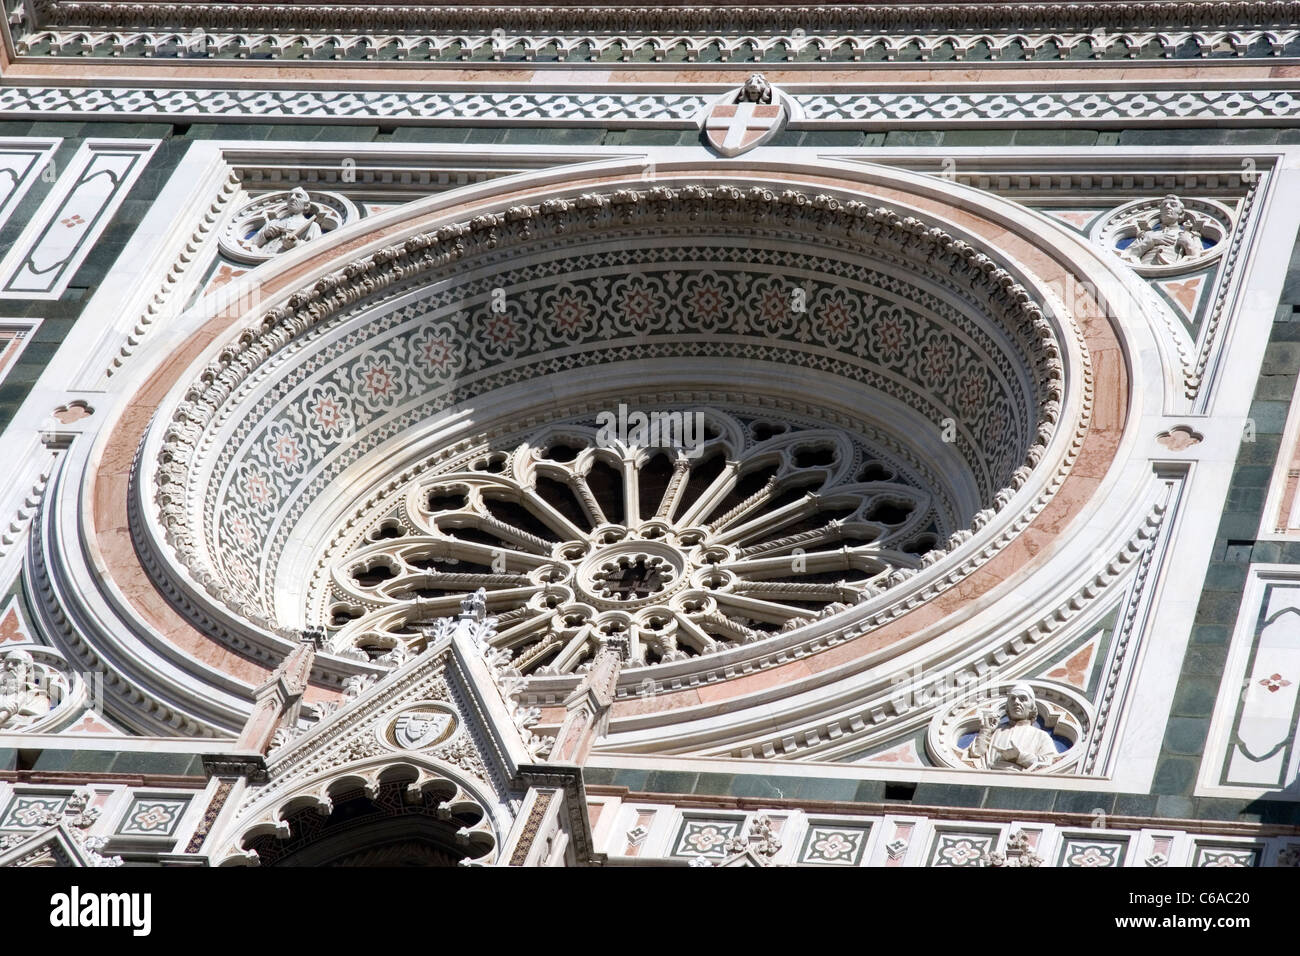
pixel 757 525
pixel 631 574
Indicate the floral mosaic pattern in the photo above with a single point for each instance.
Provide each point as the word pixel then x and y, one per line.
pixel 891 336
pixel 961 849
pixel 826 845
pixel 706 838
pixel 28 811
pixel 152 816
pixel 1076 852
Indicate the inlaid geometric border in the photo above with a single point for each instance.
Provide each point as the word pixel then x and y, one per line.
pixel 1251 744
pixel 861 110
pixel 21 165
pixel 1211 855
pixel 26 810
pixel 62 232
pixel 14 336
pixel 960 848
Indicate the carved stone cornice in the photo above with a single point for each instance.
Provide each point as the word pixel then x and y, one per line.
pixel 673 19
pixel 250 765
pixel 740 50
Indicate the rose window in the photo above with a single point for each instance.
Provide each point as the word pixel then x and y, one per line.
pixel 753 526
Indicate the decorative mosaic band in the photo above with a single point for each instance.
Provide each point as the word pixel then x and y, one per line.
pixel 795 838
pixel 1054 108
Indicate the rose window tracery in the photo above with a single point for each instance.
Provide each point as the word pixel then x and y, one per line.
pixel 760 526
pixel 884 408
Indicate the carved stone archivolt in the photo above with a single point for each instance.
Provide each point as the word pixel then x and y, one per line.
pixel 430 812
pixel 1166 235
pixel 399 754
pixel 1004 413
pixel 278 222
pixel 1021 727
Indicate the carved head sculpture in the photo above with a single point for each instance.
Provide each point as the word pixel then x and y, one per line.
pixel 756 89
pixel 16 674
pixel 297 201
pixel 1171 210
pixel 1022 704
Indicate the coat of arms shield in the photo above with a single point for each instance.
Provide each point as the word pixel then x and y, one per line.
pixel 745 119
pixel 417 729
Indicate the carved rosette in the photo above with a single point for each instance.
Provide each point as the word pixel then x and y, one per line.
pixel 1062 715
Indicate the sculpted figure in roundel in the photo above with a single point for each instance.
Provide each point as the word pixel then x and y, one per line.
pixel 293 223
pixel 278 222
pixel 20 691
pixel 755 90
pixel 1018 744
pixel 1173 235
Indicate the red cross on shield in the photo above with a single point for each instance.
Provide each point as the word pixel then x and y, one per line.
pixel 732 128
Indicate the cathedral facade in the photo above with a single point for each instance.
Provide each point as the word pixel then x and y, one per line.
pixel 828 436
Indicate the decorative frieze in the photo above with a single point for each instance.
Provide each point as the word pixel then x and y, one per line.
pixel 781 20
pixel 844 33
pixel 833 49
pixel 915 108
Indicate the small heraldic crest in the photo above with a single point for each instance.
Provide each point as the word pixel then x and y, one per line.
pixel 416 729
pixel 745 118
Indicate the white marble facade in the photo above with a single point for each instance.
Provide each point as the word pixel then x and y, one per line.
pixel 520 487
